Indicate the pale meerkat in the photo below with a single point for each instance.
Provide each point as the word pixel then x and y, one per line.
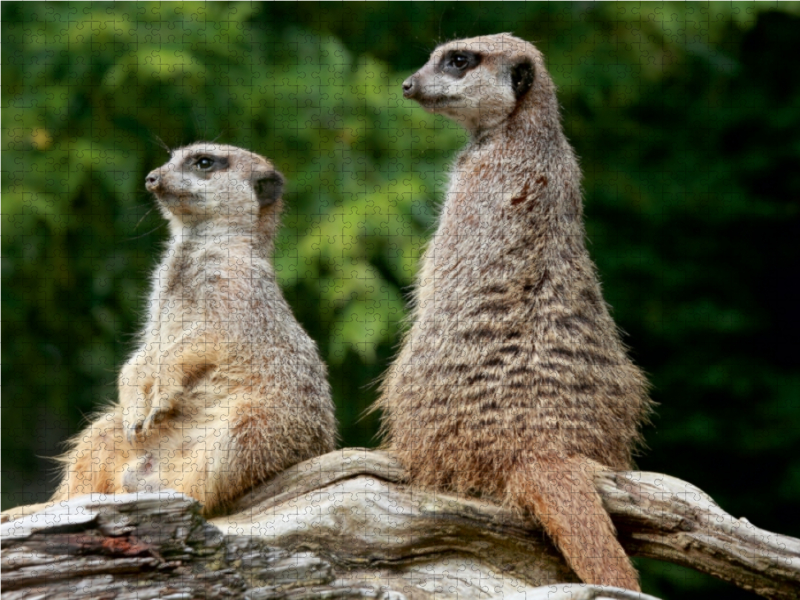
pixel 226 388
pixel 513 381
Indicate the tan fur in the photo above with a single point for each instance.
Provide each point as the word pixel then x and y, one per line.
pixel 513 380
pixel 226 388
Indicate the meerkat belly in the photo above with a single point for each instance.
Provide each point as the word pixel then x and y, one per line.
pixel 496 402
pixel 514 375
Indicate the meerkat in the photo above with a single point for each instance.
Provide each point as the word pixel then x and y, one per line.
pixel 225 388
pixel 513 381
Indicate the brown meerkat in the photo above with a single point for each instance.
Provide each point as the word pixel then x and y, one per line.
pixel 512 381
pixel 226 388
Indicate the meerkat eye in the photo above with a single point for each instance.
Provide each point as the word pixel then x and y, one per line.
pixel 204 163
pixel 459 61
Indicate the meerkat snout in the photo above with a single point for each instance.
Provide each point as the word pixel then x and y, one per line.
pixel 152 181
pixel 409 88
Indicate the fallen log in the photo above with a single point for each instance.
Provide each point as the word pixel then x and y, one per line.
pixel 345 525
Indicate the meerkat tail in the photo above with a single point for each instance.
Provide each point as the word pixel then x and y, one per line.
pixel 563 497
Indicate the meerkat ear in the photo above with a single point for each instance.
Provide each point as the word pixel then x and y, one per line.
pixel 522 74
pixel 268 187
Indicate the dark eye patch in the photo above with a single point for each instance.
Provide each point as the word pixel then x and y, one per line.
pixel 206 163
pixel 458 63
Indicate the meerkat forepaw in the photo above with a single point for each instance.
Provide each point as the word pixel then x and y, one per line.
pixel 156 415
pixel 132 422
pixel 151 406
pixel 139 428
pixel 136 412
pixel 161 406
pixel 134 430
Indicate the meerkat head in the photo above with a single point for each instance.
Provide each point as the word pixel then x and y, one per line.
pixel 208 182
pixel 479 82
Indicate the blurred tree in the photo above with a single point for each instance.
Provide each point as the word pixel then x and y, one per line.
pixel 686 118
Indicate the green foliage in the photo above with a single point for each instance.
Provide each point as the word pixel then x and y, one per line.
pixel 685 116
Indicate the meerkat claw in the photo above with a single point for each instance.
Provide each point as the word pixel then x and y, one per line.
pixel 140 429
pixel 155 417
pixel 134 432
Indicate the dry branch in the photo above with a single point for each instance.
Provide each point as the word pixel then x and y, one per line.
pixel 345 526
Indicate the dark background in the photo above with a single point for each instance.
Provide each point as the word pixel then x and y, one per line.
pixel 686 118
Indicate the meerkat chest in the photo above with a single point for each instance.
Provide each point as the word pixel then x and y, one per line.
pixel 480 224
pixel 194 275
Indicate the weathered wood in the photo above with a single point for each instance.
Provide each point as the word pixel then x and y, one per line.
pixel 662 517
pixel 344 525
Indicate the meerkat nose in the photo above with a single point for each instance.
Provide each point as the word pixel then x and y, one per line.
pixel 152 180
pixel 409 87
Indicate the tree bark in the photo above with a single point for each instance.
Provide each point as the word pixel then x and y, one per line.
pixel 345 525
